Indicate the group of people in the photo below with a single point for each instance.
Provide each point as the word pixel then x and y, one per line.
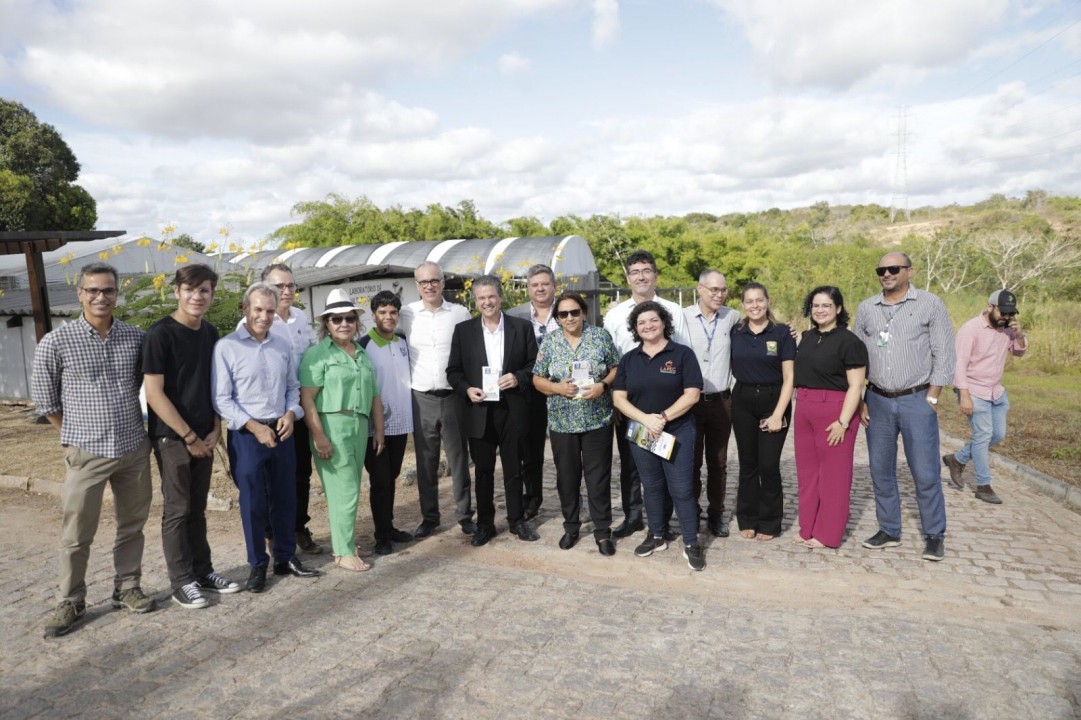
pixel 670 384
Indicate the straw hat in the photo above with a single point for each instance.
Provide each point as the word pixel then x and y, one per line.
pixel 339 303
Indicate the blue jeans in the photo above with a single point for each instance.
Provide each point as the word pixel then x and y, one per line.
pixel 988 429
pixel 913 418
pixel 675 477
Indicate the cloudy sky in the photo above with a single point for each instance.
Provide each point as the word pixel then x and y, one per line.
pixel 208 114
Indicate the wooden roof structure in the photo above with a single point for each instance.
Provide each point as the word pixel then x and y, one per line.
pixel 32 244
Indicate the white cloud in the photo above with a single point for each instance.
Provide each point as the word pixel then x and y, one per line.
pixel 605 22
pixel 837 43
pixel 262 70
pixel 513 64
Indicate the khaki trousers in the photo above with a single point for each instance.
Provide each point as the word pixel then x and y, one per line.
pixel 81 500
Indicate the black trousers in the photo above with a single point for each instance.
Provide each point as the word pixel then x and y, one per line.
pixel 383 471
pixel 630 485
pixel 760 499
pixel 713 421
pixel 500 436
pixel 302 443
pixel 533 454
pixel 589 453
pixel 185 484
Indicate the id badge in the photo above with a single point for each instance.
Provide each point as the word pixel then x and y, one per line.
pixel 490 383
pixel 883 338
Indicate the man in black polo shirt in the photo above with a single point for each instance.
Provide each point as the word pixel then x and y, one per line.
pixel 177 357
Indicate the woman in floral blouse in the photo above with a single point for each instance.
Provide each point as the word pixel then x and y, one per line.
pixel 575 369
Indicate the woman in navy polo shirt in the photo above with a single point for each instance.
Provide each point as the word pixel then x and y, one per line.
pixel 763 354
pixel 656 385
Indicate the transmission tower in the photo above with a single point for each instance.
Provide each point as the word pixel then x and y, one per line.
pixel 900 173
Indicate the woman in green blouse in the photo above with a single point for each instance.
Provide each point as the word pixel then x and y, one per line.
pixel 339 396
pixel 575 368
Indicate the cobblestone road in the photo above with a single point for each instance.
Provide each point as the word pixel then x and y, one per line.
pixel 444 630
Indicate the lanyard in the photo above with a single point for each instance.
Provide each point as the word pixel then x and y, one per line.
pixel 709 335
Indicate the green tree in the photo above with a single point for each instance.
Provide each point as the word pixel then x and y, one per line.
pixel 37 175
pixel 185 240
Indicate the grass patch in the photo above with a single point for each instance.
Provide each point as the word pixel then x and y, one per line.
pixel 1044 426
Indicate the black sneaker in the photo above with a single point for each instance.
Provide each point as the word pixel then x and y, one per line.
pixel 134 600
pixel 215 583
pixel 881 540
pixel 400 536
pixel 189 597
pixel 696 559
pixel 64 617
pixel 383 547
pixel 651 545
pixel 934 550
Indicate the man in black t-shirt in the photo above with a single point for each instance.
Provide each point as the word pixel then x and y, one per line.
pixel 177 359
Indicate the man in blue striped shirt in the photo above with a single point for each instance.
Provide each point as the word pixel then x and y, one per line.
pixel 909 339
pixel 86 381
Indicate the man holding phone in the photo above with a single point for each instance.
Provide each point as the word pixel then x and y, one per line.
pixel 983 344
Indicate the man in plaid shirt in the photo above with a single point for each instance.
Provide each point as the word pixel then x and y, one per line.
pixel 86 381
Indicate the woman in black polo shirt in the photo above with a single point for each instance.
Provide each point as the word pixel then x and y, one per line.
pixel 763 352
pixel 831 365
pixel 656 385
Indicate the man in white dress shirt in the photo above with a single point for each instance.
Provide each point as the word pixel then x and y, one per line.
pixel 438 413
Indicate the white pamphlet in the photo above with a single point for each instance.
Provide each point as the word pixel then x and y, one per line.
pixel 580 375
pixel 490 383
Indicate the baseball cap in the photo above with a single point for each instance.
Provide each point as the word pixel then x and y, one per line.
pixel 1005 300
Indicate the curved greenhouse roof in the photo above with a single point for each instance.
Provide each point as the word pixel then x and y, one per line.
pixel 567 255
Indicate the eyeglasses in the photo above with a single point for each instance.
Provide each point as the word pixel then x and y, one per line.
pixel 339 319
pixel 429 283
pixel 641 272
pixel 93 292
pixel 714 290
pixel 564 314
pixel 282 287
pixel 823 306
pixel 891 269
pixel 1007 315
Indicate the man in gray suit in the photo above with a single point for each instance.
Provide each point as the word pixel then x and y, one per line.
pixel 540 311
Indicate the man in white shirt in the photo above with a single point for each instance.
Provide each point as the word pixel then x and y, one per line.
pixel 438 413
pixel 709 324
pixel 642 281
pixel 539 311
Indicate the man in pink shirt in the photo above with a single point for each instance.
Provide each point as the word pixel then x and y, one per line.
pixel 983 344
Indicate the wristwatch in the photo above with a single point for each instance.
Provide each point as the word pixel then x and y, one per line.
pixel 844 425
pixel 932 400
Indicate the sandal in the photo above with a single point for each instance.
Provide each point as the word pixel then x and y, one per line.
pixel 747 534
pixel 351 563
pixel 799 541
pixel 762 537
pixel 813 543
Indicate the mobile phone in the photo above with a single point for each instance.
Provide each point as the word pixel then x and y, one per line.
pixel 762 423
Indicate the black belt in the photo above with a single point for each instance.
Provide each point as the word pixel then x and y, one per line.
pixel 756 386
pixel 437 393
pixel 272 423
pixel 710 397
pixel 899 393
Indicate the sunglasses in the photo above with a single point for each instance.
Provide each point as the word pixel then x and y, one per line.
pixel 339 319
pixel 891 269
pixel 564 314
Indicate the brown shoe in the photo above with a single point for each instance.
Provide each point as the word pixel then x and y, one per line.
pixel 956 470
pixel 985 493
pixel 305 543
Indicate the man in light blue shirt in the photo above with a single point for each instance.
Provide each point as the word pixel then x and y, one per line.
pixel 256 392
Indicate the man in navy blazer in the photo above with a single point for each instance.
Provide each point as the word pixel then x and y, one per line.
pixel 491 366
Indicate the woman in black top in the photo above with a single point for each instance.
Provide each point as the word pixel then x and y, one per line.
pixel 831 365
pixel 762 355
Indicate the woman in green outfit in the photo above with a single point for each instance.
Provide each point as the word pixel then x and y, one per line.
pixel 339 395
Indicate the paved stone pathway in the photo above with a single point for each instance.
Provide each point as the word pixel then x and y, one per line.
pixel 444 630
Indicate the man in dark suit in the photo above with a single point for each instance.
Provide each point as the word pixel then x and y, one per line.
pixel 540 312
pixel 491 366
